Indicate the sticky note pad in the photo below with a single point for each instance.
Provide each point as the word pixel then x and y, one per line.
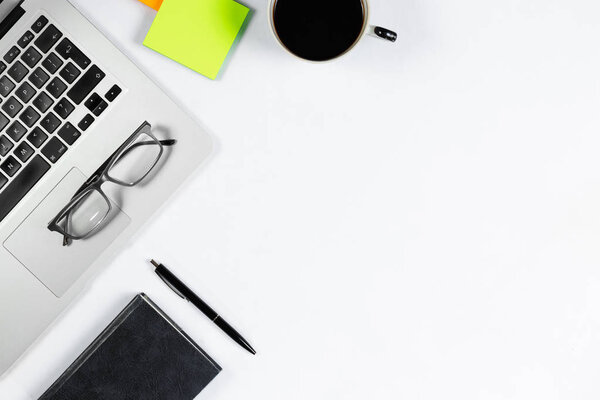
pixel 196 33
pixel 153 3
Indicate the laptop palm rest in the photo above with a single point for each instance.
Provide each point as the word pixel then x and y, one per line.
pixel 41 251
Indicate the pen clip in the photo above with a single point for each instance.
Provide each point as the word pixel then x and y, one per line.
pixel 173 288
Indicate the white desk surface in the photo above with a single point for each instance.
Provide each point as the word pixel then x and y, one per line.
pixel 417 220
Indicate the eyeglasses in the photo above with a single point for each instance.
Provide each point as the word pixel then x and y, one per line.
pixel 89 208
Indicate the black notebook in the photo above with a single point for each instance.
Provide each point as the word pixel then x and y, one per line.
pixel 142 354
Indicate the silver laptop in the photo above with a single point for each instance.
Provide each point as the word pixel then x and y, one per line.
pixel 68 100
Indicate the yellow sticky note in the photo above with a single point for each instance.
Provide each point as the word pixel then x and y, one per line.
pixel 152 3
pixel 196 33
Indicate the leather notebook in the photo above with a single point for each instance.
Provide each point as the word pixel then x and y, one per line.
pixel 142 354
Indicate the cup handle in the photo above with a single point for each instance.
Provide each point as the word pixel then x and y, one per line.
pixel 385 33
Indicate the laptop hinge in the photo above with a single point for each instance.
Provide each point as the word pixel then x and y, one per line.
pixel 9 14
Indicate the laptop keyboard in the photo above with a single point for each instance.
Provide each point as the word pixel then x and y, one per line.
pixel 45 80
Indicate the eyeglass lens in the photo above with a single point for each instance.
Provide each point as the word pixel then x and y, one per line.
pixel 136 161
pixel 86 214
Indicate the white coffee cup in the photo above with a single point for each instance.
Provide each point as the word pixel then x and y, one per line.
pixel 366 29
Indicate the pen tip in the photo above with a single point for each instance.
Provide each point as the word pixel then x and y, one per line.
pixel 154 263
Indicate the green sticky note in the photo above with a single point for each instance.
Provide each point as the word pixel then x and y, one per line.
pixel 196 33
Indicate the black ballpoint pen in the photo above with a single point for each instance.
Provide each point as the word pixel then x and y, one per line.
pixel 186 293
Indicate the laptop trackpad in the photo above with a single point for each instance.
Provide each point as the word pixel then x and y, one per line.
pixel 41 251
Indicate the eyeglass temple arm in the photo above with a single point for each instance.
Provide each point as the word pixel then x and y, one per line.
pixel 168 142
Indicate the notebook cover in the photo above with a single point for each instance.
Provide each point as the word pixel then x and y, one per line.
pixel 142 354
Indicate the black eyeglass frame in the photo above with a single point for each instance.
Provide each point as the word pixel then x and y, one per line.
pixel 101 176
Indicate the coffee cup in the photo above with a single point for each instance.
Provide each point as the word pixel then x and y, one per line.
pixel 322 30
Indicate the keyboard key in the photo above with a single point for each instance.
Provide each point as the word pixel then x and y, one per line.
pixel 69 133
pixel 29 116
pixel 3 181
pixel 16 131
pixel 10 166
pixel 18 71
pixel 56 87
pixel 25 39
pixel 43 102
pixel 100 108
pixel 12 54
pixel 86 84
pixel 93 101
pixel 5 145
pixel 54 150
pixel 37 137
pixel 70 72
pixel 113 93
pixel 3 121
pixel 22 184
pixel 31 57
pixel 67 50
pixel 85 122
pixel 39 24
pixel 12 107
pixel 2 67
pixel 52 63
pixel 25 92
pixel 50 122
pixel 64 108
pixel 38 77
pixel 48 38
pixel 6 86
pixel 23 152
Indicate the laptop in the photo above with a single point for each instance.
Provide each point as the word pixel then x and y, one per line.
pixel 68 99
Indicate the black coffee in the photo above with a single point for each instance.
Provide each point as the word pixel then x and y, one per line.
pixel 318 30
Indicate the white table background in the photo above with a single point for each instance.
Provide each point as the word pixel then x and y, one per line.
pixel 417 220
